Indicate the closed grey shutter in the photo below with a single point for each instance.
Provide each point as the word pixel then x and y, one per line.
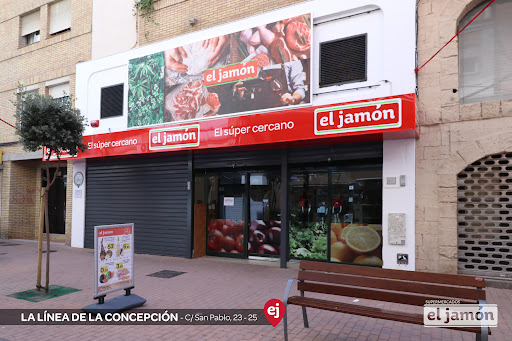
pixel 151 193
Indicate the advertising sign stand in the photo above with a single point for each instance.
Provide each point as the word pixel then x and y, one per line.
pixel 113 269
pixel 100 299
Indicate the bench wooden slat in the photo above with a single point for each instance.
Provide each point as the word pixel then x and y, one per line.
pixel 367 311
pixel 371 294
pixel 466 281
pixel 396 285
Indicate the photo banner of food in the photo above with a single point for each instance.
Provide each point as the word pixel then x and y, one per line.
pixel 114 258
pixel 258 68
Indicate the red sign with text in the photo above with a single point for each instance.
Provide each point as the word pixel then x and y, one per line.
pixel 354 117
pixel 231 73
pixel 381 118
pixel 117 231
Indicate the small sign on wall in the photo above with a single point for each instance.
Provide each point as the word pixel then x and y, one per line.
pixel 396 228
pixel 229 201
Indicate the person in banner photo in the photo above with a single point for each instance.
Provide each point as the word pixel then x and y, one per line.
pixel 278 85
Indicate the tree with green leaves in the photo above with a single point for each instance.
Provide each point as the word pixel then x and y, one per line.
pixel 43 121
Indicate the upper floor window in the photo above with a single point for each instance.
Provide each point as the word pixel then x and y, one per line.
pixel 343 61
pixel 30 28
pixel 485 51
pixel 60 92
pixel 60 17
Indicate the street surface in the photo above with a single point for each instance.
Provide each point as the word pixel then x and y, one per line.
pixel 209 283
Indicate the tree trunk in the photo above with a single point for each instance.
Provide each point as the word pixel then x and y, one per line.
pixel 40 239
pixel 47 217
pixel 47 220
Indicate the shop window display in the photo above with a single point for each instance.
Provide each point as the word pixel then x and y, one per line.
pixel 340 207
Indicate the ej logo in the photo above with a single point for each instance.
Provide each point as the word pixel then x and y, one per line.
pixel 274 311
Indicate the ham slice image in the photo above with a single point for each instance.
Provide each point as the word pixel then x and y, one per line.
pixel 298 36
pixel 212 101
pixel 187 102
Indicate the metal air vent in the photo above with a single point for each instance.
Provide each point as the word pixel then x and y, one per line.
pixel 343 61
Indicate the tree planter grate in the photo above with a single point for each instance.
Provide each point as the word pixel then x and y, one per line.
pixel 166 274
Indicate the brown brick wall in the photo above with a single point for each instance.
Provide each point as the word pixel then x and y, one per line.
pixel 452 136
pixel 21 188
pixel 51 58
pixel 172 15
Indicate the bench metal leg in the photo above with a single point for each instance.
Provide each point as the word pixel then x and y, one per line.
pixel 484 333
pixel 285 301
pixel 285 325
pixel 304 313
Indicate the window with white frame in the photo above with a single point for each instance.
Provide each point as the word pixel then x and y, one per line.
pixel 485 51
pixel 60 92
pixel 60 17
pixel 30 28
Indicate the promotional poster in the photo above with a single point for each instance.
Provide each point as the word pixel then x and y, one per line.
pixel 263 67
pixel 113 258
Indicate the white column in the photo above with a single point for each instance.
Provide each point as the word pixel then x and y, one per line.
pixel 78 214
pixel 399 159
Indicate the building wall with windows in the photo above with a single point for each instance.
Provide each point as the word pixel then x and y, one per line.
pixel 465 115
pixel 41 42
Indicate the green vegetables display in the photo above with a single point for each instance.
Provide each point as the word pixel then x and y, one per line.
pixel 146 90
pixel 308 240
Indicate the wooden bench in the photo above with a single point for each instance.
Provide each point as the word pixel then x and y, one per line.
pixel 376 284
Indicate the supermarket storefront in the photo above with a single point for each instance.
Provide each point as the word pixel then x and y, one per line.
pixel 254 152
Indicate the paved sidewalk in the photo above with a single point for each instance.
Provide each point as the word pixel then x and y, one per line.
pixel 209 283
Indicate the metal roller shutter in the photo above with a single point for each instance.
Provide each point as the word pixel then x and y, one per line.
pixel 152 193
pixel 485 217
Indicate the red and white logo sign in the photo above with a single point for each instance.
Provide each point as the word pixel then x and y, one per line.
pixel 391 117
pixel 174 137
pixel 359 116
pixel 274 311
pixel 117 231
pixel 231 73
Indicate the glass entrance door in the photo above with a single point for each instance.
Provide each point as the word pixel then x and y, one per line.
pixel 244 213
pixel 226 218
pixel 265 213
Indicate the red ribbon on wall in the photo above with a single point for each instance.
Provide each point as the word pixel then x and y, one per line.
pixel 483 9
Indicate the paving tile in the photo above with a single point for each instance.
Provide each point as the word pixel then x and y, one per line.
pixel 208 283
